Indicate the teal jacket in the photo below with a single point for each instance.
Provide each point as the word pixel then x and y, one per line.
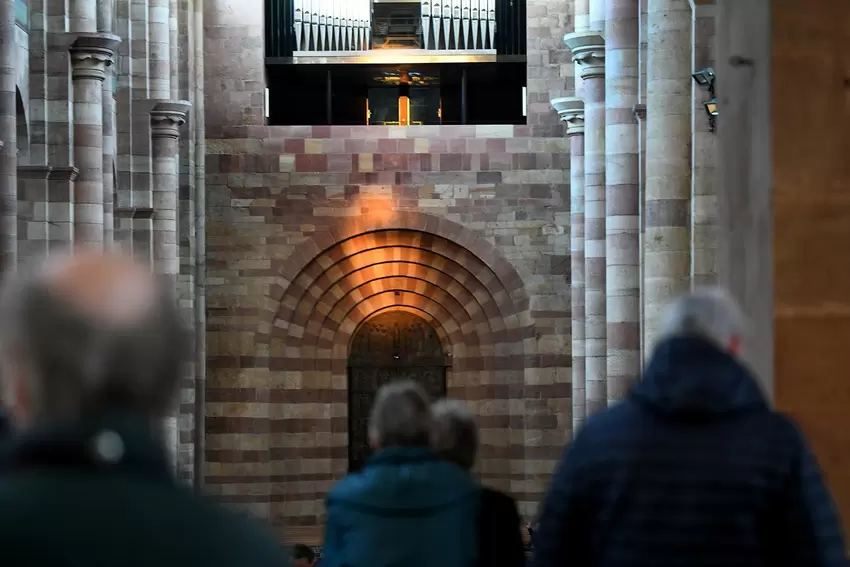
pixel 406 508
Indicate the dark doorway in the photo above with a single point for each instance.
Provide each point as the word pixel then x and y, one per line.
pixel 392 346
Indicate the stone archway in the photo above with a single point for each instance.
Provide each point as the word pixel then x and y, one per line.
pixel 393 345
pixel 345 275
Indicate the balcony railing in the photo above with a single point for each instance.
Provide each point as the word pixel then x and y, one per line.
pixel 330 28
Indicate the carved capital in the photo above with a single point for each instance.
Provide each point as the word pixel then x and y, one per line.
pixel 588 49
pixel 639 111
pixel 91 54
pixel 571 111
pixel 167 117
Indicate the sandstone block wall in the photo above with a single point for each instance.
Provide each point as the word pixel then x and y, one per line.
pixel 310 230
pixel 472 231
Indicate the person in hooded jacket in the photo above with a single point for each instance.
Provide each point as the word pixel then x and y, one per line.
pixel 693 468
pixel 407 507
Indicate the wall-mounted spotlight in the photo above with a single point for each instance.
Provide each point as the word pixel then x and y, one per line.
pixel 705 78
pixel 711 110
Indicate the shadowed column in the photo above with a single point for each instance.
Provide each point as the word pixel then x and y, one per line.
pixel 8 141
pixel 588 49
pixel 571 111
pixel 622 220
pixel 704 156
pixel 105 25
pixel 91 54
pixel 668 153
pixel 166 119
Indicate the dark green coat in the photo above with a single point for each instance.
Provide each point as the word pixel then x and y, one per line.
pixel 100 494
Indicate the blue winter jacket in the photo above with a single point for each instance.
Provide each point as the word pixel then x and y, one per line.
pixel 691 470
pixel 406 508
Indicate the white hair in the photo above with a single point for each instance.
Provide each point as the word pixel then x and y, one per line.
pixel 401 416
pixel 708 313
pixel 454 435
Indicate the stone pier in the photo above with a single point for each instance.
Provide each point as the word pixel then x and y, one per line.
pixel 622 200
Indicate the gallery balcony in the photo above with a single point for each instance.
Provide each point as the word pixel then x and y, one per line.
pixel 394 31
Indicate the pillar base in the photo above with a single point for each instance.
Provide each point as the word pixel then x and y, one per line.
pixel 167 117
pixel 570 110
pixel 588 49
pixel 92 53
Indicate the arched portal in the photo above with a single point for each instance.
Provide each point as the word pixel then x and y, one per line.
pixel 391 346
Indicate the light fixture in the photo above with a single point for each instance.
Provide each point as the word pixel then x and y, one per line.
pixel 711 110
pixel 705 78
pixel 266 104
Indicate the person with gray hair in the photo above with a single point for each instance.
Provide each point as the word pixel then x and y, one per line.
pixel 693 466
pixel 454 437
pixel 406 506
pixel 91 352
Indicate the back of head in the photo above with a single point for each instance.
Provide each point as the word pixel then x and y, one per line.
pixel 87 334
pixel 706 313
pixel 400 416
pixel 454 434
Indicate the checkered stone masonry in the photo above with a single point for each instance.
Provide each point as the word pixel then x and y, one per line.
pixel 312 229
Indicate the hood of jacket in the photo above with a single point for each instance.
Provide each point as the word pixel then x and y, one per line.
pixel 690 377
pixel 405 480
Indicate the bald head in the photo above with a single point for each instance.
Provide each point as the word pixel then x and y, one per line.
pixel 88 333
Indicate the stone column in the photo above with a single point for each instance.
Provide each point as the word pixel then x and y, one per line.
pixel 668 159
pixel 91 54
pixel 640 116
pixel 588 49
pixel 703 155
pixel 82 16
pixel 33 219
pixel 8 141
pixel 159 39
pixel 200 250
pixel 105 25
pixel 622 218
pixel 571 111
pixel 166 119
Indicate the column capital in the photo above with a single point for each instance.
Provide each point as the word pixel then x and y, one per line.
pixel 571 111
pixel 167 117
pixel 92 53
pixel 588 49
pixel 639 110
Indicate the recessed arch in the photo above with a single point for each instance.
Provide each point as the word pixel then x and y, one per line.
pixel 395 261
pixel 394 345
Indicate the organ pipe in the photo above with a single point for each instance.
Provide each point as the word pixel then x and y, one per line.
pixel 332 25
pixel 346 25
pixel 458 24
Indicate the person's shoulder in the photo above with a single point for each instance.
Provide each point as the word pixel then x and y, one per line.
pixel 497 497
pixel 241 532
pixel 496 501
pixel 784 431
pixel 612 423
pixel 351 486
